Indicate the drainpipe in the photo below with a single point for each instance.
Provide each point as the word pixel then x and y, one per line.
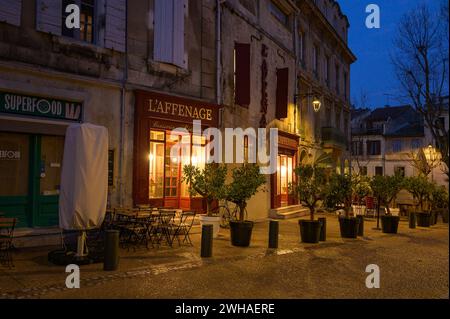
pixel 218 52
pixel 295 70
pixel 122 113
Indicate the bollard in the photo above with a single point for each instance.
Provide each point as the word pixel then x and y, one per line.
pixel 273 234
pixel 207 241
pixel 412 220
pixel 323 228
pixel 360 225
pixel 111 260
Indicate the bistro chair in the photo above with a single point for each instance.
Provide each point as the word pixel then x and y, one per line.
pixel 164 226
pixel 7 226
pixel 183 228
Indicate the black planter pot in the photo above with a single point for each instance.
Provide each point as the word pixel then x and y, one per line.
pixel 445 216
pixel 310 231
pixel 389 224
pixel 435 217
pixel 241 233
pixel 349 227
pixel 423 219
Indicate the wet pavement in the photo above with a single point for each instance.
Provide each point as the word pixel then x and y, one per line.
pixel 413 264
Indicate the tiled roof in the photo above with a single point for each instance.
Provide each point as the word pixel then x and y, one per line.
pixel 383 113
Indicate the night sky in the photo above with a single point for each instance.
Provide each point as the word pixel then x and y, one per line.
pixel 373 72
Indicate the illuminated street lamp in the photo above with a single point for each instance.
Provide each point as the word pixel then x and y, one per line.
pixel 316 104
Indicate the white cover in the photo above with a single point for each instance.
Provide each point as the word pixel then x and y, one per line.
pixel 84 177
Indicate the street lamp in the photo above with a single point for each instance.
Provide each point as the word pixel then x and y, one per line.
pixel 316 103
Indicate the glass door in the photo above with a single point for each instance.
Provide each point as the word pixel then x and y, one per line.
pixel 15 176
pixel 284 179
pixel 50 163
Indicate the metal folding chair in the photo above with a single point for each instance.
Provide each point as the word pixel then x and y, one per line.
pixel 7 226
pixel 183 228
pixel 164 226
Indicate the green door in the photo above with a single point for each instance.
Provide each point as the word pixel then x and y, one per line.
pixel 30 168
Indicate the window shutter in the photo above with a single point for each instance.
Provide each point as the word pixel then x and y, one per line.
pixel 169 32
pixel 48 16
pixel 178 33
pixel 242 85
pixel 282 93
pixel 10 11
pixel 115 25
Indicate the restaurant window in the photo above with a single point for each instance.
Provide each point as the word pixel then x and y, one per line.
pixel 156 164
pixel 168 155
pixel 87 20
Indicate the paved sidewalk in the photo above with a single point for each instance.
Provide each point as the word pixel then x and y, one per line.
pixel 34 277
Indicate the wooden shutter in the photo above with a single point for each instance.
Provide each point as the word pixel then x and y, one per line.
pixel 115 25
pixel 169 32
pixel 242 84
pixel 282 93
pixel 49 16
pixel 10 11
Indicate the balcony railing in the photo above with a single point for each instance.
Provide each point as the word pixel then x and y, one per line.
pixel 331 136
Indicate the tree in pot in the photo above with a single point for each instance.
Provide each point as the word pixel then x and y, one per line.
pixel 339 194
pixel 386 189
pixel 209 183
pixel 310 188
pixel 420 188
pixel 246 181
pixel 439 201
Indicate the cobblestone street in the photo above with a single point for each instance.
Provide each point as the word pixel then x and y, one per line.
pixel 413 264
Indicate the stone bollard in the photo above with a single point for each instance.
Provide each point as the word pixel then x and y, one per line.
pixel 360 225
pixel 273 234
pixel 207 241
pixel 323 228
pixel 111 259
pixel 412 220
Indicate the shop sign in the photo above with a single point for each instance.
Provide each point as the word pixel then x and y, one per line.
pixel 9 155
pixel 29 105
pixel 174 108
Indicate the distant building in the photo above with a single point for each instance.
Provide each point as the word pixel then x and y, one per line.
pixel 384 139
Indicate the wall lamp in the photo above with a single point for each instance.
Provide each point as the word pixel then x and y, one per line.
pixel 316 103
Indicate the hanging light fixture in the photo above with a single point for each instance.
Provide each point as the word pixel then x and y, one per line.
pixel 316 104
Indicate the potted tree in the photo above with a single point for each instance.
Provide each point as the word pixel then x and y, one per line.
pixel 420 188
pixel 310 188
pixel 339 192
pixel 209 183
pixel 386 188
pixel 246 181
pixel 439 201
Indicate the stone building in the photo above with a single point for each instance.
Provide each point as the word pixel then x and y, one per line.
pixel 386 139
pixel 144 67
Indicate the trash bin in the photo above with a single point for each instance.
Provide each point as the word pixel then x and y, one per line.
pixel 111 261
